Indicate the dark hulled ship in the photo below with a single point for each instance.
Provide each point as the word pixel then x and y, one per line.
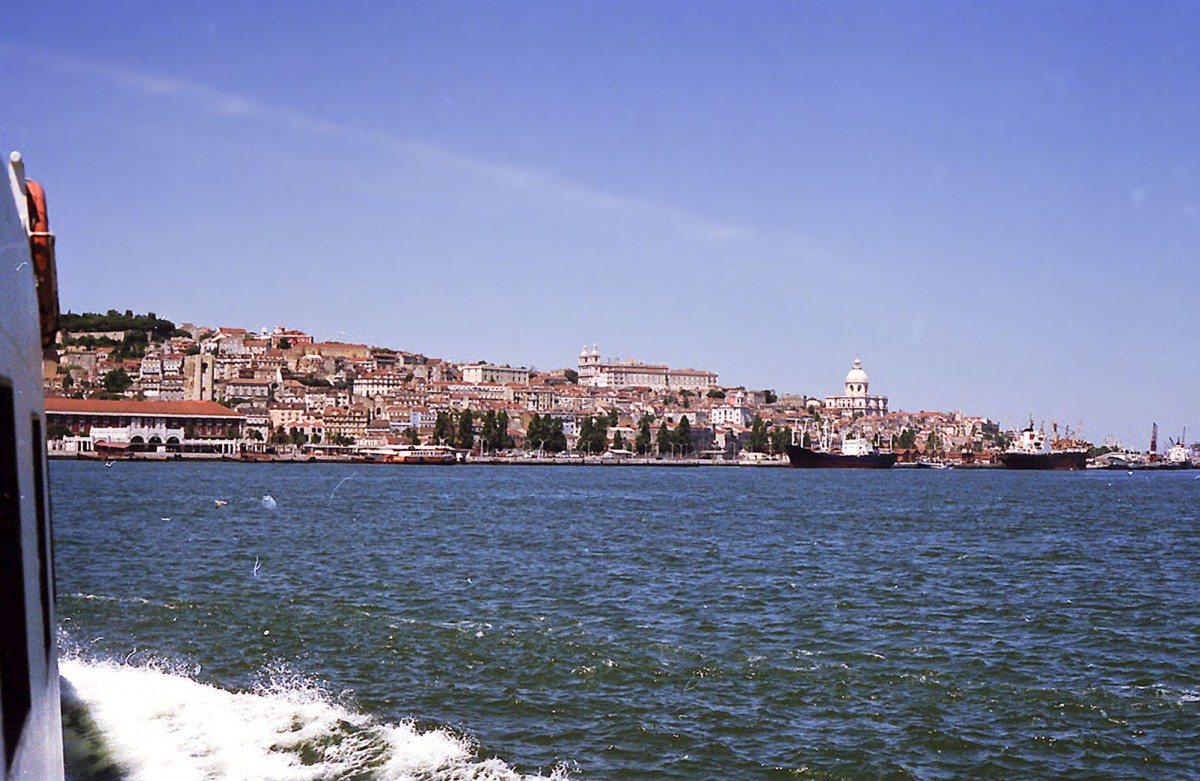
pixel 856 454
pixel 1054 459
pixel 1031 450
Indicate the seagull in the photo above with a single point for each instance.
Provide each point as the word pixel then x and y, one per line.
pixel 220 503
pixel 109 464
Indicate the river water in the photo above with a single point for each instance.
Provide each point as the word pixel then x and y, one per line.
pixel 471 622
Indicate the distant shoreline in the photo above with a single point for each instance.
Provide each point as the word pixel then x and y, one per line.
pixel 676 463
pixel 564 461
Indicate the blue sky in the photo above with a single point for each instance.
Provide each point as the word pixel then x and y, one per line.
pixel 993 205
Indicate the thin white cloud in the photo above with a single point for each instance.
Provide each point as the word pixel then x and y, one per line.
pixel 228 104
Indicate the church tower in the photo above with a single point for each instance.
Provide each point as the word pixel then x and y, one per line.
pixel 588 363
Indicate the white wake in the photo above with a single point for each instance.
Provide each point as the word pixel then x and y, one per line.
pixel 151 723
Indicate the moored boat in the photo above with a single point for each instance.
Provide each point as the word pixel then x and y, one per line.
pixel 855 454
pixel 424 454
pixel 1178 456
pixel 1032 451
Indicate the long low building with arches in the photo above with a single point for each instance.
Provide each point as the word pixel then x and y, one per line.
pixel 143 425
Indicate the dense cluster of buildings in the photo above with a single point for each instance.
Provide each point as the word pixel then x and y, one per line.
pixel 230 389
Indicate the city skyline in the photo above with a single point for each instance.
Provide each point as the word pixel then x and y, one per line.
pixel 991 206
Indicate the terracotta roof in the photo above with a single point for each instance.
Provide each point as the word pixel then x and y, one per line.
pixel 209 409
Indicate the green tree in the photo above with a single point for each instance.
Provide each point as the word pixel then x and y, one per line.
pixel 907 439
pixel 583 441
pixel 117 381
pixel 132 346
pixel 254 434
pixel 545 432
pixel 613 417
pixel 58 431
pixel 780 439
pixel 411 435
pixel 593 435
pixel 716 393
pixel 297 437
pixel 771 397
pixel 618 442
pixel 505 439
pixel 932 443
pixel 556 441
pixel 68 381
pixel 572 376
pixel 443 428
pixel 664 439
pixel 284 344
pixel 466 430
pixel 535 435
pixel 758 441
pixel 683 435
pixel 642 443
pixel 488 434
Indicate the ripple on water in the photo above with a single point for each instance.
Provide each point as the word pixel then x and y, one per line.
pixel 675 624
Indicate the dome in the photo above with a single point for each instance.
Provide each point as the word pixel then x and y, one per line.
pixel 857 375
pixel 583 352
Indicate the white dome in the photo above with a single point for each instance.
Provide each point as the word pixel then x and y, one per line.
pixel 857 375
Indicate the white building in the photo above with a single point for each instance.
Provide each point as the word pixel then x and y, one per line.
pixel 730 415
pixel 379 384
pixel 594 371
pixel 489 373
pixel 856 399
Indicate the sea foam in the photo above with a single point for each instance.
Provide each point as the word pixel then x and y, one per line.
pixel 150 722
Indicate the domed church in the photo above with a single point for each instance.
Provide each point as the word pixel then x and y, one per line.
pixel 856 398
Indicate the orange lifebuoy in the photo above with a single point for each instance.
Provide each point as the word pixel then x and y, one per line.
pixel 41 248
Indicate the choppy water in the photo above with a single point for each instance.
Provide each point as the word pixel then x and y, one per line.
pixel 619 623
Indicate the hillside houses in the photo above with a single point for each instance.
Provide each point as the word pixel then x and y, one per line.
pixel 286 387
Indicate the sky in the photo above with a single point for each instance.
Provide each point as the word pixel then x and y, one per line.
pixel 993 205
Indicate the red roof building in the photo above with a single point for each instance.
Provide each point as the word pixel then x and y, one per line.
pixel 144 422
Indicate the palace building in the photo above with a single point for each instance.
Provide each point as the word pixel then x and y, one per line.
pixel 596 372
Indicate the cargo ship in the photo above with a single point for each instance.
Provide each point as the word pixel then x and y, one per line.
pixel 30 718
pixel 855 454
pixel 1031 450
